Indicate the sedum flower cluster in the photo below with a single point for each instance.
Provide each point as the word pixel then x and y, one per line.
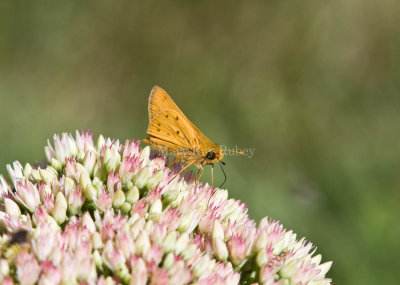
pixel 112 213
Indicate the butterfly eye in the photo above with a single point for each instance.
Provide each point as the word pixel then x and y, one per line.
pixel 210 155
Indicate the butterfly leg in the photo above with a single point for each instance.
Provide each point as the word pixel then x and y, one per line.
pixel 197 174
pixel 212 183
pixel 212 175
pixel 201 171
pixel 175 161
pixel 183 169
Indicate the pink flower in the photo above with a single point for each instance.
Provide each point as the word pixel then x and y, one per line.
pixel 158 232
pixel 16 173
pixel 154 254
pixel 5 190
pixel 131 148
pixel 70 168
pixel 75 201
pixel 113 257
pixel 41 216
pixel 207 222
pixel 11 208
pixel 84 140
pixel 133 220
pixel 267 275
pixel 180 273
pixel 139 208
pixel 171 218
pixel 113 182
pixel 48 202
pixel 44 241
pixel 7 281
pixel 28 195
pixel 238 249
pixel 28 269
pixel 50 274
pixel 129 167
pixel 158 163
pixel 104 201
pixel 125 243
pixel 139 272
pixel 160 276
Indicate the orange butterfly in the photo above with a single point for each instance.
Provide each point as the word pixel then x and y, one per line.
pixel 170 131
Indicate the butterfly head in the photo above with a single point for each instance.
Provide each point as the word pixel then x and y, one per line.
pixel 213 156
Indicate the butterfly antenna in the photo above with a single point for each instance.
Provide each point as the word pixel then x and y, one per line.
pixel 235 151
pixel 223 171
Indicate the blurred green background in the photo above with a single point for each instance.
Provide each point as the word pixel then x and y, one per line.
pixel 313 86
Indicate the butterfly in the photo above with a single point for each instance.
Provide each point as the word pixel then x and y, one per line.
pixel 170 131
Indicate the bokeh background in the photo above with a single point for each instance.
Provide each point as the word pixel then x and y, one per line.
pixel 313 86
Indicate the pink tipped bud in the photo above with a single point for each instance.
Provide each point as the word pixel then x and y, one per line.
pixel 139 273
pixel 28 269
pixel 75 201
pixel 238 249
pixel 112 158
pixel 28 194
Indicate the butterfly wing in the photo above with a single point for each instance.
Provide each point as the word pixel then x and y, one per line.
pixel 170 128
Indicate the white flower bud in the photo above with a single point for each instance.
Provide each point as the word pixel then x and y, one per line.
pixel 170 241
pixel 217 231
pixel 27 170
pixel 152 182
pixel 188 252
pixel 69 186
pixel 288 269
pixel 126 207
pixel 118 199
pixel 261 241
pixel 97 242
pixel 261 258
pixel 89 161
pixel 133 195
pixel 100 143
pixel 98 260
pixel 142 176
pixel 59 211
pixel 35 174
pixel 186 222
pixel 142 244
pixel 169 260
pixel 144 155
pixel 181 243
pixel 220 249
pixel 156 207
pixel 12 208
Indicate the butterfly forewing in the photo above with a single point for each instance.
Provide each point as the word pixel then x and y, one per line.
pixel 171 132
pixel 169 127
